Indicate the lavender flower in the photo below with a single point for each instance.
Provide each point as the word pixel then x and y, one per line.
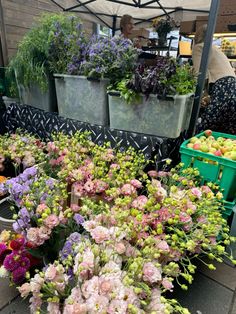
pixel 79 219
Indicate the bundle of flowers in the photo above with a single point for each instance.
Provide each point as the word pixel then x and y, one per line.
pixel 135 249
pixel 67 46
pixel 111 58
pixel 40 211
pixel 163 79
pixel 22 150
pixel 15 260
pixel 162 26
pixel 93 170
pixel 95 277
pixel 66 152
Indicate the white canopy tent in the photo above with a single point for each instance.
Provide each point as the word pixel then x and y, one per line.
pixel 108 12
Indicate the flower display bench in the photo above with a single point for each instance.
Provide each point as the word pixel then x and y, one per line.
pixel 82 99
pixel 167 118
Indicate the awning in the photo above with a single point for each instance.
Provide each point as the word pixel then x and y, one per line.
pixel 109 12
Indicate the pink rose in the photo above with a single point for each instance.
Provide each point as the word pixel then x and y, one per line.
pixel 100 234
pixel 151 273
pixel 51 221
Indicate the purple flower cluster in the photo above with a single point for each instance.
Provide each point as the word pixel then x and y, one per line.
pixel 109 57
pixel 20 185
pixel 67 249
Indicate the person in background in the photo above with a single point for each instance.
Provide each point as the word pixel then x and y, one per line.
pixel 220 114
pixel 126 25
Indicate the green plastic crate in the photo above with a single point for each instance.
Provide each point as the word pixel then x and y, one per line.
pixel 223 173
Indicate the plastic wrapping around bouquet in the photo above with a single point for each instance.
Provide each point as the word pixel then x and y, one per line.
pixel 219 170
pixel 6 220
pixel 167 118
pixel 33 96
pixel 82 99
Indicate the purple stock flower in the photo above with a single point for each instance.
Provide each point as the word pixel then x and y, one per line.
pixel 18 275
pixel 75 237
pixel 79 219
pixel 3 248
pixel 66 250
pixel 11 262
pixel 25 262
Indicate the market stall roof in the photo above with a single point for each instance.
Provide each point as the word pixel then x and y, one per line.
pixel 108 12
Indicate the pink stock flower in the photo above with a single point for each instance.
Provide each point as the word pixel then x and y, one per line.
pixel 97 304
pixel 53 308
pixel 100 186
pixel 153 173
pixel 117 307
pixel 167 284
pixel 35 303
pixel 163 245
pixel 105 286
pixel 41 208
pixel 100 234
pixel 75 208
pixel 139 202
pixel 128 189
pixel 51 221
pixel 36 284
pixel 120 248
pixel 90 225
pixel 151 273
pixel 89 187
pixel 196 192
pixel 24 290
pixel 33 236
pixel 155 306
pixel 50 273
pixel 75 308
pixel 136 183
pixel 206 189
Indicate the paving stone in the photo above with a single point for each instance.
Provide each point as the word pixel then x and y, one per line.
pixel 224 274
pixel 17 306
pixel 6 293
pixel 205 296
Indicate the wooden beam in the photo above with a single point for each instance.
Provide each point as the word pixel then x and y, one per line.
pixel 3 36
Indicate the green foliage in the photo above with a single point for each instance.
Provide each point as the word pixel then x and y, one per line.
pixel 129 95
pixel 31 61
pixel 183 81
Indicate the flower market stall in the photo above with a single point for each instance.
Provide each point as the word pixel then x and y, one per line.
pixel 94 215
pixel 94 232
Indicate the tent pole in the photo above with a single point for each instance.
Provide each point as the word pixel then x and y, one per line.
pixel 203 65
pixel 114 18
